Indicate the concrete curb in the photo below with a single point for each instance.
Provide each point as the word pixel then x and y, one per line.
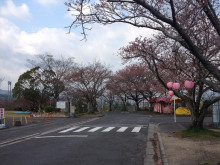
pixel 162 150
pixel 149 160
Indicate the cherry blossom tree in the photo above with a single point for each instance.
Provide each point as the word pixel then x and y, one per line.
pixel 192 23
pixel 60 67
pixel 175 63
pixel 134 82
pixel 89 81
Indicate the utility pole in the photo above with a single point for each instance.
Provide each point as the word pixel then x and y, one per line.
pixel 9 90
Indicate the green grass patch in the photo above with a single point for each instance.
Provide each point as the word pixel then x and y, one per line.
pixel 9 114
pixel 146 112
pixel 202 134
pixel 211 162
pixel 88 115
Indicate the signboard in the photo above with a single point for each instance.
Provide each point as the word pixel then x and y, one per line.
pixel 61 104
pixel 2 113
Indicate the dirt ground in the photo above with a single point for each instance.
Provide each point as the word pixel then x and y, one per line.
pixel 185 151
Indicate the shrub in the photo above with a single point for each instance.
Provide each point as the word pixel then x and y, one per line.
pixel 49 109
pixel 57 109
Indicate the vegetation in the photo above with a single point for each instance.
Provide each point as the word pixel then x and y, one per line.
pixel 9 114
pixel 203 134
pixel 186 46
pixel 49 109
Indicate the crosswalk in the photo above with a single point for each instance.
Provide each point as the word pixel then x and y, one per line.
pixel 76 129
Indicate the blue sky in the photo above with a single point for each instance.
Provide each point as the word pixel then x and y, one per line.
pixel 31 27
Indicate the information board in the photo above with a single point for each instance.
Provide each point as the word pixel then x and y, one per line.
pixel 61 104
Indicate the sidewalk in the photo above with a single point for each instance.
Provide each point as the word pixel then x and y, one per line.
pixel 185 151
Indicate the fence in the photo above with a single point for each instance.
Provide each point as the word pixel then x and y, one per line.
pixel 25 120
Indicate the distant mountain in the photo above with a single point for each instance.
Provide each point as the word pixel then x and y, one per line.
pixel 3 93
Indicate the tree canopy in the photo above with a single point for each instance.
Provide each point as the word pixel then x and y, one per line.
pixel 194 24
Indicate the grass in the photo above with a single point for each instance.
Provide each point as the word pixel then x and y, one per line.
pixel 9 114
pixel 88 115
pixel 212 161
pixel 147 112
pixel 203 134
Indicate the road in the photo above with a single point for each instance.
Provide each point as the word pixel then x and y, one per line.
pixel 116 139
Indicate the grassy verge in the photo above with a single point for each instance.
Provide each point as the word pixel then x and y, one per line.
pixel 88 115
pixel 144 112
pixel 211 162
pixel 13 114
pixel 203 134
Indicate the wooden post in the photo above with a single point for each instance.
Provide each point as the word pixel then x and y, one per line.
pixel 13 121
pixel 26 120
pixel 21 120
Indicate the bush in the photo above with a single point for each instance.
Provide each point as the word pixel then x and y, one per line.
pixel 57 109
pixel 49 109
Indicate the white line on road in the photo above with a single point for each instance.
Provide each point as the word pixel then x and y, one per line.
pixel 136 129
pixel 62 136
pixel 122 129
pixel 94 129
pixel 67 130
pixel 108 129
pixel 81 129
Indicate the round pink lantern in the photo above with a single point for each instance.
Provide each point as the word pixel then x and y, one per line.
pixel 176 86
pixel 189 84
pixel 170 93
pixel 169 97
pixel 170 84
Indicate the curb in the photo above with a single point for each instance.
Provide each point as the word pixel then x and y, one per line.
pixel 162 150
pixel 149 154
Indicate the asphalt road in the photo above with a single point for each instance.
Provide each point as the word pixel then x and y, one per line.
pixel 116 139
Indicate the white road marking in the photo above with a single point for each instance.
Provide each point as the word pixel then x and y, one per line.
pixel 108 129
pixel 122 129
pixel 62 136
pixel 67 130
pixel 94 129
pixel 136 129
pixel 81 129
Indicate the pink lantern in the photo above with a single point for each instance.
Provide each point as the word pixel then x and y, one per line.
pixel 169 96
pixel 170 93
pixel 170 84
pixel 176 86
pixel 189 84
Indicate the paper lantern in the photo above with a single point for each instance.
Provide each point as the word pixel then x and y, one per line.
pixel 170 84
pixel 176 86
pixel 170 93
pixel 169 96
pixel 189 84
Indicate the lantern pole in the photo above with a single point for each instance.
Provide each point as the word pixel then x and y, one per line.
pixel 174 110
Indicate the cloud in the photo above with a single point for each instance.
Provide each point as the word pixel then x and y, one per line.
pixel 102 44
pixel 11 10
pixel 49 2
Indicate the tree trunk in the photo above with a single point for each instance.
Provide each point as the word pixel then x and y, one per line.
pixel 110 106
pixel 137 105
pixel 197 118
pixel 197 123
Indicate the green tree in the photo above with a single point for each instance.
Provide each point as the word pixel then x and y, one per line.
pixel 35 85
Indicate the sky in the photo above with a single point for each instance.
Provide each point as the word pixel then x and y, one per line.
pixel 32 27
